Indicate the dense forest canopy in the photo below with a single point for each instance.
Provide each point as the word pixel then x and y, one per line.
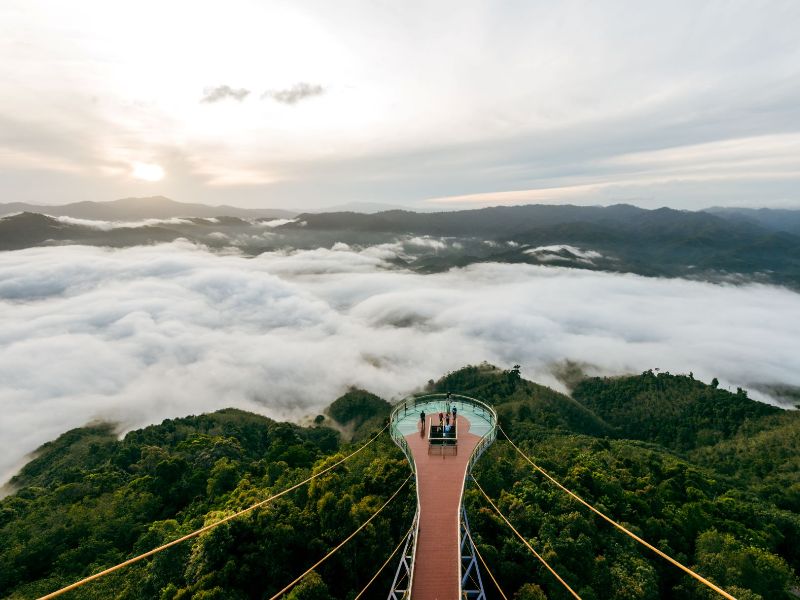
pixel 708 476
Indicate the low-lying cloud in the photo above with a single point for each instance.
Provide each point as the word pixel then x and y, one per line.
pixel 224 92
pixel 146 333
pixel 104 225
pixel 561 252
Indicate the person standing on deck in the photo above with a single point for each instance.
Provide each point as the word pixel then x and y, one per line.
pixel 454 414
pixel 422 419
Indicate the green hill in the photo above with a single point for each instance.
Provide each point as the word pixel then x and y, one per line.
pixel 360 412
pixel 675 411
pixel 89 500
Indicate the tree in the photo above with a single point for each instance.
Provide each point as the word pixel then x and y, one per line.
pixel 224 475
pixel 730 562
pixel 530 591
pixel 311 587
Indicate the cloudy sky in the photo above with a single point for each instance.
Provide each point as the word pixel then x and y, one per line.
pixel 147 333
pixel 428 104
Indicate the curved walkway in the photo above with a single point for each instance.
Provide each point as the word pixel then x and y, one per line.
pixel 440 479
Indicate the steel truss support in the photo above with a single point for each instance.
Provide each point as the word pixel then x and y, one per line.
pixel 401 586
pixel 471 582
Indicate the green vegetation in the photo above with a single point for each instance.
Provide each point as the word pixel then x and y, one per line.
pixel 516 398
pixel 675 411
pixel 89 501
pixel 360 412
pixel 708 476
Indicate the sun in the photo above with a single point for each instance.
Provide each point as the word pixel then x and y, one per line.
pixel 147 171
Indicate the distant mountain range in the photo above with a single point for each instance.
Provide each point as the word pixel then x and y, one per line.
pixel 132 209
pixel 720 244
pixel 771 218
pixel 364 207
pixel 514 220
pixel 716 244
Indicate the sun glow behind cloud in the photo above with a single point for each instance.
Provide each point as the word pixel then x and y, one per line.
pixel 147 172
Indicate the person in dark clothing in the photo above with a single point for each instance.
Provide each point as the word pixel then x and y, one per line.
pixel 422 418
pixel 454 413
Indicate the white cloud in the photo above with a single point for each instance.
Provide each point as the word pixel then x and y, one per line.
pixel 142 334
pixel 426 242
pixel 275 222
pixel 109 225
pixel 563 252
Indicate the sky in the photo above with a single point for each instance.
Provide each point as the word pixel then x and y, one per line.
pixel 432 105
pixel 137 335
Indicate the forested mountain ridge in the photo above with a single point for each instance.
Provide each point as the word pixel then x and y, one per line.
pixel 733 523
pixel 675 411
pixel 706 494
pixel 620 238
pixel 89 499
pixel 772 218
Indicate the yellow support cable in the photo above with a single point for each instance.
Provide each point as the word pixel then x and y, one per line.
pixel 337 548
pixel 626 531
pixel 188 536
pixel 485 566
pixel 383 566
pixel 524 541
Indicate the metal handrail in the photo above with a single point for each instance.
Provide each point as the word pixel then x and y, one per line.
pixel 485 441
pixel 401 441
pixel 411 402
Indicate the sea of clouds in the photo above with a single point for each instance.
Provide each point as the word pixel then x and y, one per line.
pixel 147 333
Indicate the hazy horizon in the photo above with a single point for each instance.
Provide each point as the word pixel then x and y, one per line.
pixel 411 207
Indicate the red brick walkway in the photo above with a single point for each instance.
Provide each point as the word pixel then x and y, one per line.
pixel 440 481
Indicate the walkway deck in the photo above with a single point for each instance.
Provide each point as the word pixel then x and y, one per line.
pixel 440 479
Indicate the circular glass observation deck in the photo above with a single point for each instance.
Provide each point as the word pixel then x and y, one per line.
pixel 481 417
